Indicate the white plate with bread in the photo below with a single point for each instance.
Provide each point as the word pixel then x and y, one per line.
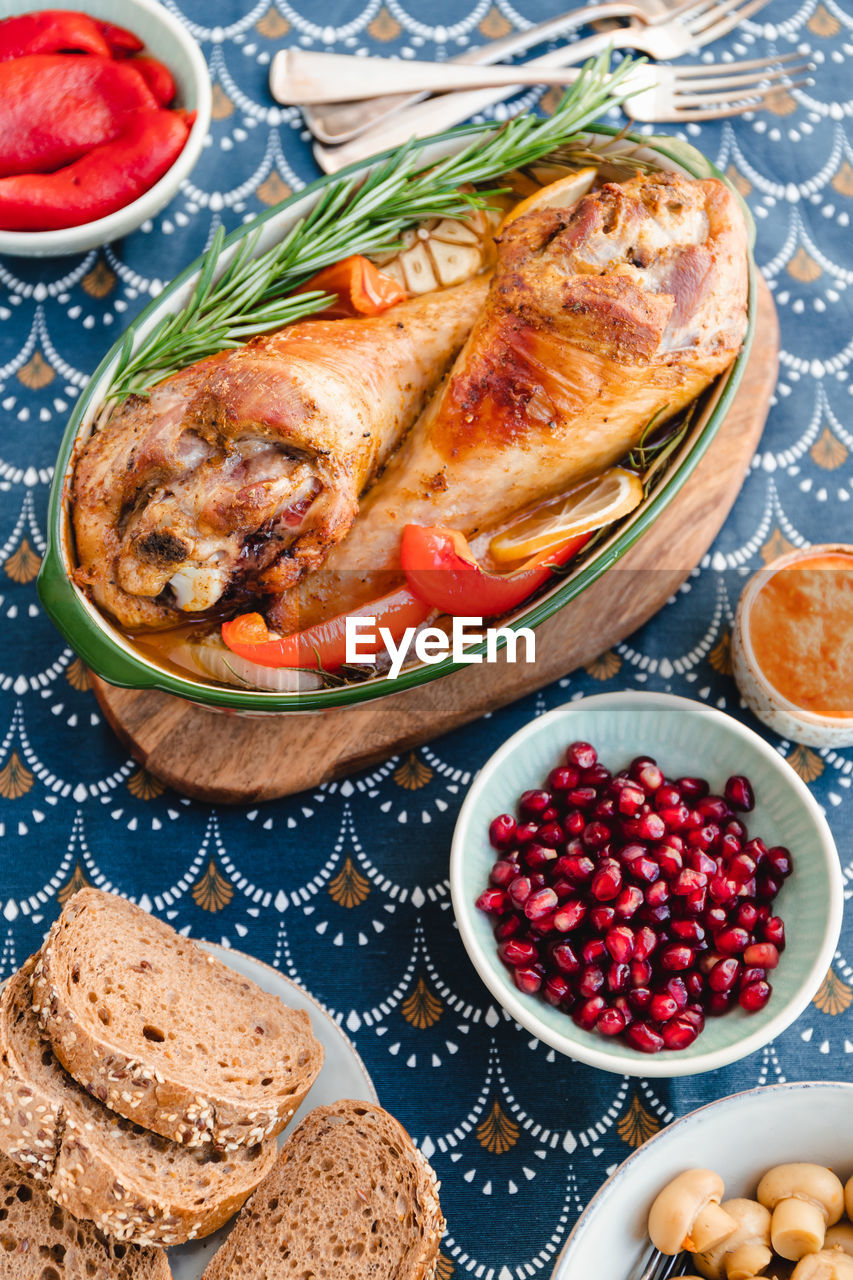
pixel 146 1083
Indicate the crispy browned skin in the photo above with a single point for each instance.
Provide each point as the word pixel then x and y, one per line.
pixel 240 472
pixel 599 317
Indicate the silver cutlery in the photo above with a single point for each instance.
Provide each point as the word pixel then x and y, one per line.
pixel 681 94
pixel 338 122
pixel 660 1266
pixel 666 36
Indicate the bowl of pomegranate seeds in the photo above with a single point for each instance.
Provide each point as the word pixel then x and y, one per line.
pixel 645 884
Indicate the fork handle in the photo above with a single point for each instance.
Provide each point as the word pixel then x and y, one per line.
pixel 339 122
pixel 442 113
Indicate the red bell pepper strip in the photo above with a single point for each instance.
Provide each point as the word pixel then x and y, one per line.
pixel 322 646
pixel 441 570
pixel 121 41
pixel 362 289
pixel 158 77
pixel 54 107
pixel 107 179
pixel 51 31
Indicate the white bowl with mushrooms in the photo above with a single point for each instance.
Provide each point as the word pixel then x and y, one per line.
pixel 754 1185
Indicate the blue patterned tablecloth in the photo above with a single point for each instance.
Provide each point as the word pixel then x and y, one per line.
pixel 345 888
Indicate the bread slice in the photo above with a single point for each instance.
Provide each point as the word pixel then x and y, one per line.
pixel 161 1032
pixel 133 1184
pixel 350 1197
pixel 40 1241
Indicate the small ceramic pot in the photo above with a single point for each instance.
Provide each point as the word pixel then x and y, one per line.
pixel 772 707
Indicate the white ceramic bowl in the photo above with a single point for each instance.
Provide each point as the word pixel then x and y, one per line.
pixel 167 39
pixel 685 737
pixel 739 1137
pixel 766 702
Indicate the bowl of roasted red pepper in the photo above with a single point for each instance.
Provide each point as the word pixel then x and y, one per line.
pixel 99 123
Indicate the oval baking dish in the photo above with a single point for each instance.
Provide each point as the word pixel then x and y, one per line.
pixel 113 656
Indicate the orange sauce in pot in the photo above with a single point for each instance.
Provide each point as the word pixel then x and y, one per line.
pixel 801 629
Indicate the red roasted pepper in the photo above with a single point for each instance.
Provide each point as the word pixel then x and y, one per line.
pixel 441 570
pixel 362 289
pixel 106 179
pixel 121 41
pixel 55 107
pixel 52 31
pixel 158 78
pixel 322 646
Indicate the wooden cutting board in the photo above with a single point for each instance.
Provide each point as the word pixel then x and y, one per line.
pixel 229 759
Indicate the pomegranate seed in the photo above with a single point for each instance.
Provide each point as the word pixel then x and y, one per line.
pixel 697 860
pixel 602 918
pixel 551 815
pixel 595 776
pixel 594 950
pixel 630 800
pixel 694 902
pixel 582 797
pixel 587 1014
pixel 688 880
pixel 562 779
pixel 657 893
pixel 570 915
pixel 581 755
pixel 719 1002
pixel 780 861
pixel 534 803
pixel 617 978
pixel 611 1023
pixel 517 951
pixel 645 941
pixel 757 850
pixel 689 931
pixel 731 941
pixel 537 880
pixel 694 1014
pixel 679 1033
pixel 724 974
pixel 526 831
pixel 620 943
pixel 734 827
pixel 668 859
pixel 507 927
pixel 692 788
pixel 704 838
pixel 740 868
pixel 676 956
pixel 545 924
pixel 714 918
pixel 643 1037
pixel 730 847
pixel 708 959
pixel 656 915
pixel 564 958
pixel 540 904
pixel 722 890
pixel 714 809
pixel 641 973
pixel 552 835
pixel 639 998
pixel 754 996
pixel 575 823
pixel 667 797
pixel 649 826
pixel 739 793
pixel 556 990
pixel 645 869
pixel 752 974
pixel 761 954
pixel 694 820
pixel 747 915
pixel 537 856
pixel 502 874
pixel 767 887
pixel 649 777
pixel 595 834
pixel 495 901
pixel 629 902
pixel 519 890
pixel 630 852
pixel 607 880
pixel 527 980
pixel 694 984
pixel 774 931
pixel 604 809
pixel 502 832
pixel 763 909
pixel 662 1007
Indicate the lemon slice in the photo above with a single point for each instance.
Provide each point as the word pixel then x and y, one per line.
pixel 557 195
pixel 592 504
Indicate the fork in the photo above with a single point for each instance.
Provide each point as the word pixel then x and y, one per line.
pixel 690 27
pixel 684 94
pixel 660 1266
pixel 338 122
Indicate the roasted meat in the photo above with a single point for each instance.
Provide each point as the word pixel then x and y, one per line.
pixel 239 473
pixel 599 318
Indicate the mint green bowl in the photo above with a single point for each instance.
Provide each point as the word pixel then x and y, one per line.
pixel 686 738
pixel 111 655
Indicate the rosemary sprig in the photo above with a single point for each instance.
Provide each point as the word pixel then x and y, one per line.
pixel 350 216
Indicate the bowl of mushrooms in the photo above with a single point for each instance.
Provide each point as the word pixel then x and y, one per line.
pixel 757 1185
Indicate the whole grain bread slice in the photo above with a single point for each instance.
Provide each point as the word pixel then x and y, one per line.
pixel 40 1241
pixel 161 1032
pixel 349 1197
pixel 133 1184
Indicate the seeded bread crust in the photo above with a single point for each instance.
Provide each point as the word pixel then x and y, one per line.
pixel 40 1241
pixel 162 1033
pixel 350 1196
pixel 132 1184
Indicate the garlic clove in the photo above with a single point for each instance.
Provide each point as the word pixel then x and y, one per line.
pixel 418 274
pixel 453 231
pixel 454 263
